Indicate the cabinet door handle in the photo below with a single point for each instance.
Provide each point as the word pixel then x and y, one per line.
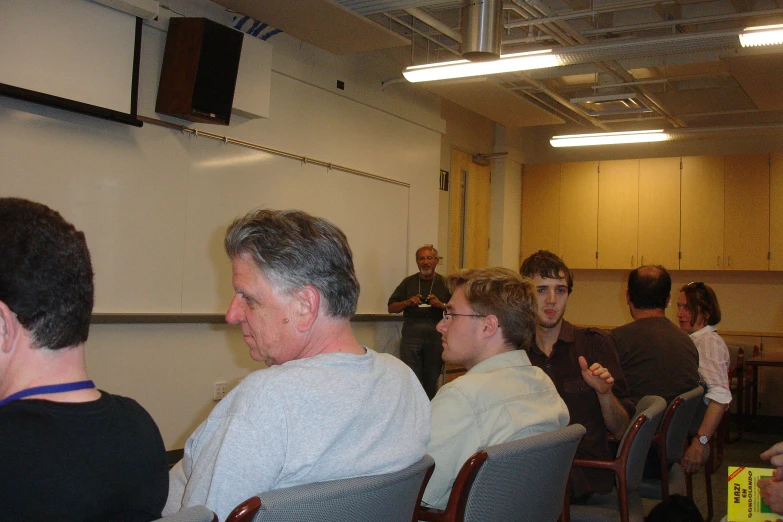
pixel 641 261
pixel 729 261
pixel 718 261
pixel 632 266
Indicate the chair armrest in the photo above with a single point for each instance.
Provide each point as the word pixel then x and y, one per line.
pixel 595 463
pixel 430 513
pixel 245 511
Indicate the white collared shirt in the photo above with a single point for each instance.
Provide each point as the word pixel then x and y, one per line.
pixel 502 398
pixel 713 364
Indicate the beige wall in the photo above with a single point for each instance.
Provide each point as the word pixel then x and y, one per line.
pixel 750 301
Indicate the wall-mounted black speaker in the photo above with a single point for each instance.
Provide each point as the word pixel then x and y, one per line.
pixel 199 71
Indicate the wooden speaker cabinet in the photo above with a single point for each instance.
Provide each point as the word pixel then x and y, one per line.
pixel 199 71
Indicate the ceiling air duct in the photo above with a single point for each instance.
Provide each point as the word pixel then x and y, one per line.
pixel 482 26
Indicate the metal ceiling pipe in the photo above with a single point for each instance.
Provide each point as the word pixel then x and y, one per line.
pixel 434 23
pixel 482 29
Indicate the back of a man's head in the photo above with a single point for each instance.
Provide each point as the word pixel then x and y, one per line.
pixel 547 265
pixel 46 276
pixel 293 249
pixel 649 287
pixel 506 295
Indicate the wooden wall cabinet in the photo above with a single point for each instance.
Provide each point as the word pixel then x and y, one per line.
pixel 746 212
pixel 689 213
pixel 578 239
pixel 776 211
pixel 701 213
pixel 540 209
pixel 618 214
pixel 659 212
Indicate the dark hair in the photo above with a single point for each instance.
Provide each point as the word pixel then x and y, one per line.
pixel 46 276
pixel 649 287
pixel 294 249
pixel 547 265
pixel 701 299
pixel 506 295
pixel 677 508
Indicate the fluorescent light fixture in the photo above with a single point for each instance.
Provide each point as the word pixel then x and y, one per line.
pixel 762 35
pixel 465 69
pixel 608 138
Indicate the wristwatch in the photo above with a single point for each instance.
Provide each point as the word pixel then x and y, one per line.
pixel 703 439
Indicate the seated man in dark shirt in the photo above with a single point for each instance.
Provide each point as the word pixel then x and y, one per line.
pixel 656 356
pixel 68 451
pixel 583 364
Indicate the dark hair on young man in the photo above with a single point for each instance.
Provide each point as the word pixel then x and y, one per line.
pixel 547 265
pixel 46 276
pixel 700 299
pixel 294 249
pixel 506 295
pixel 649 287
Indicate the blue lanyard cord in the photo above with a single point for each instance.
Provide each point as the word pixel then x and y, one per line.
pixel 51 388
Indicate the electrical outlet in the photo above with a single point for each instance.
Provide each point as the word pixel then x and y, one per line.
pixel 220 390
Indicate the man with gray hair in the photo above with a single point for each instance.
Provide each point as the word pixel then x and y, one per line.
pixel 326 408
pixel 421 298
pixel 489 321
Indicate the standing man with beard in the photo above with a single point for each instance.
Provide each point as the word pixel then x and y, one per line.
pixel 583 364
pixel 421 298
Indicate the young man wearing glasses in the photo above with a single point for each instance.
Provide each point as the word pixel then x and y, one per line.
pixel 487 323
pixel 583 364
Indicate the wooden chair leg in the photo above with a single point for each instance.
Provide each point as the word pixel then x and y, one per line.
pixel 565 515
pixel 708 484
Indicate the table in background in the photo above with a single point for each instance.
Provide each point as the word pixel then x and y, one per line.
pixel 770 360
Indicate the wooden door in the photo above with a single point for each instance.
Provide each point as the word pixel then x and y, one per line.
pixel 701 213
pixel 746 211
pixel 540 209
pixel 618 214
pixel 468 213
pixel 776 211
pixel 579 214
pixel 659 212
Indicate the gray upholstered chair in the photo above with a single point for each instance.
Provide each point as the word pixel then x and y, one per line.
pixel 191 514
pixel 391 497
pixel 670 442
pixel 522 480
pixel 624 504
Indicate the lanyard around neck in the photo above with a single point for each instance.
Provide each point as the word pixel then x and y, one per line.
pixel 51 388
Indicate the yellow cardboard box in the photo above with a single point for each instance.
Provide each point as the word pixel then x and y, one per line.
pixel 745 502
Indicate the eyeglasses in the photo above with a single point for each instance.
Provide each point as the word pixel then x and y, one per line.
pixel 696 284
pixel 448 315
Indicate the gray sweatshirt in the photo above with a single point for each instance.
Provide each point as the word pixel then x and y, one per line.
pixel 321 418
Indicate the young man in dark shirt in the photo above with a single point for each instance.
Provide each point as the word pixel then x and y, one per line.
pixel 583 364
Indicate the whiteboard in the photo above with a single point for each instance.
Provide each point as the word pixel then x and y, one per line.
pixel 155 203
